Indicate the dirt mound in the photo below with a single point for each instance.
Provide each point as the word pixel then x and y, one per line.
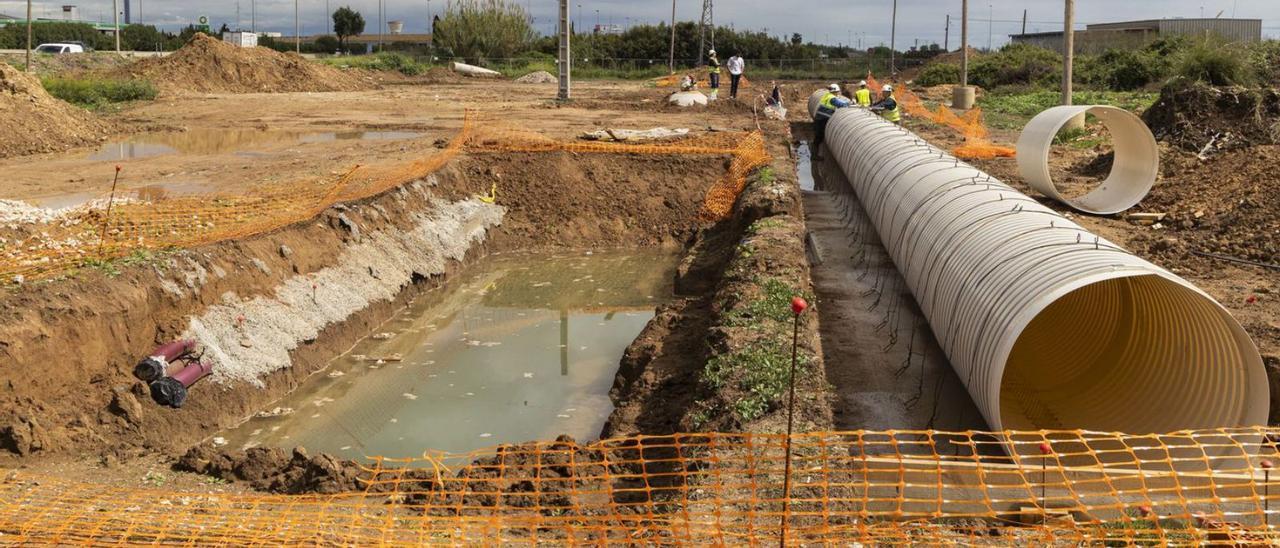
pixel 1226 205
pixel 208 65
pixel 32 121
pixel 1198 116
pixel 539 77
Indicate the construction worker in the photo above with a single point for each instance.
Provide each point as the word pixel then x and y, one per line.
pixel 713 68
pixel 888 106
pixel 863 95
pixel 827 106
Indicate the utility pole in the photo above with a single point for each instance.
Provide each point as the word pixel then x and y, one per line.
pixel 381 24
pixel 991 12
pixel 297 38
pixel 707 23
pixel 328 16
pixel 115 12
pixel 29 35
pixel 893 37
pixel 671 59
pixel 566 59
pixel 1068 50
pixel 1024 21
pixel 946 35
pixel 253 16
pixel 964 43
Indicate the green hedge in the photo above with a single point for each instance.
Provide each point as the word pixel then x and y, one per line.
pixel 94 93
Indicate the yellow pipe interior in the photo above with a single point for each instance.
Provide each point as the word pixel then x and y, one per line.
pixel 1138 354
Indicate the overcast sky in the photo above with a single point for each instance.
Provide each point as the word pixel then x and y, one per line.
pixel 832 21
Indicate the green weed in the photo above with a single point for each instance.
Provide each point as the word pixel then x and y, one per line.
pixel 96 93
pixel 760 372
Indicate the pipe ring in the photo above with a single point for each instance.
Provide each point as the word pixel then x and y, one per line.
pixel 1133 171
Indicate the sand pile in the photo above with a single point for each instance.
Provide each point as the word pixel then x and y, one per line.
pixel 208 65
pixel 539 77
pixel 32 121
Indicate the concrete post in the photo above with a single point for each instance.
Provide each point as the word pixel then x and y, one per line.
pixel 115 17
pixel 671 59
pixel 1068 59
pixel 963 96
pixel 566 59
pixel 28 69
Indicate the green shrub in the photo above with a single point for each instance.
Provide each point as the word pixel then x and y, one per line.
pixel 1214 63
pixel 94 93
pixel 385 61
pixel 1017 64
pixel 1122 69
pixel 938 74
pixel 1264 61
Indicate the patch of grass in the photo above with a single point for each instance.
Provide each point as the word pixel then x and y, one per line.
pixel 94 93
pixel 112 267
pixel 1144 531
pixel 760 372
pixel 383 61
pixel 1012 110
pixel 774 305
pixel 1215 64
pixel 764 224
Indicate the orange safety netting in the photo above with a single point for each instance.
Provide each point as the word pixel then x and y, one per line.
pixel 746 152
pixel 977 142
pixel 147 220
pixel 901 487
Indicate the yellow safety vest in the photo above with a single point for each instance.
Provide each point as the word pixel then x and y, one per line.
pixel 715 66
pixel 864 97
pixel 892 115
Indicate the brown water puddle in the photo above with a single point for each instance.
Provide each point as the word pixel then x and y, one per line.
pixel 522 347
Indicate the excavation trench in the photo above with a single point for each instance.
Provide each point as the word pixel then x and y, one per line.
pixel 273 311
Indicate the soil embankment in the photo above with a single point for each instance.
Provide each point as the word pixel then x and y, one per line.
pixel 209 65
pixel 32 121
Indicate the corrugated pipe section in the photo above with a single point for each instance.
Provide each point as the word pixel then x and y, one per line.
pixel 1047 325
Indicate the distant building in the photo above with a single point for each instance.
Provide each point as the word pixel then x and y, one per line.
pixel 607 29
pixel 1129 34
pixel 241 39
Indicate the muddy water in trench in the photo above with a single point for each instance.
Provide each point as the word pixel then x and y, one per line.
pixel 518 348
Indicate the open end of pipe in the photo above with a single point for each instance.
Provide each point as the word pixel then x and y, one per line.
pixel 1136 354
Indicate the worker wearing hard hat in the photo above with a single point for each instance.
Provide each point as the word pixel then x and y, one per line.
pixel 831 100
pixel 863 95
pixel 713 68
pixel 888 105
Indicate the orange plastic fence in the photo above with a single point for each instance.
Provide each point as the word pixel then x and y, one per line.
pixel 977 143
pixel 745 152
pixel 899 487
pixel 144 220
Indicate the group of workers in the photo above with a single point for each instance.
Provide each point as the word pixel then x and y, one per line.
pixel 833 100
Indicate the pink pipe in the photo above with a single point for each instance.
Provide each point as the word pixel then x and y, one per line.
pixel 157 364
pixel 172 391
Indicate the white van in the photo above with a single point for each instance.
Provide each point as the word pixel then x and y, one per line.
pixel 59 48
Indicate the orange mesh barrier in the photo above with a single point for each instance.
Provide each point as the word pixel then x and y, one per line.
pixel 977 143
pixel 900 487
pixel 746 152
pixel 147 219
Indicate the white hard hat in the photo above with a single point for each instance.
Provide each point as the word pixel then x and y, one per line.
pixel 711 52
pixel 862 83
pixel 834 87
pixel 887 88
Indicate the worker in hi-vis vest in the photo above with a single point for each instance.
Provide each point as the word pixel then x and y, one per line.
pixel 831 100
pixel 888 106
pixel 713 69
pixel 863 95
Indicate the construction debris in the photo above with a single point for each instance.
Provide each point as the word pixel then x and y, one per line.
pixel 634 134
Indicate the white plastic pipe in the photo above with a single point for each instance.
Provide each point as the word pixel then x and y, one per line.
pixel 1134 170
pixel 472 70
pixel 1047 325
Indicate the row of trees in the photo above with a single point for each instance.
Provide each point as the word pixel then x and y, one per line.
pixel 132 37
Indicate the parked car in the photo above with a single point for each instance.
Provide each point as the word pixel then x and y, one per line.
pixel 59 47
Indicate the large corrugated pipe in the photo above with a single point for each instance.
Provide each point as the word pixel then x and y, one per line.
pixel 1047 325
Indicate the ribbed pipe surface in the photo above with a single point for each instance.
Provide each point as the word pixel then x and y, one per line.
pixel 1047 325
